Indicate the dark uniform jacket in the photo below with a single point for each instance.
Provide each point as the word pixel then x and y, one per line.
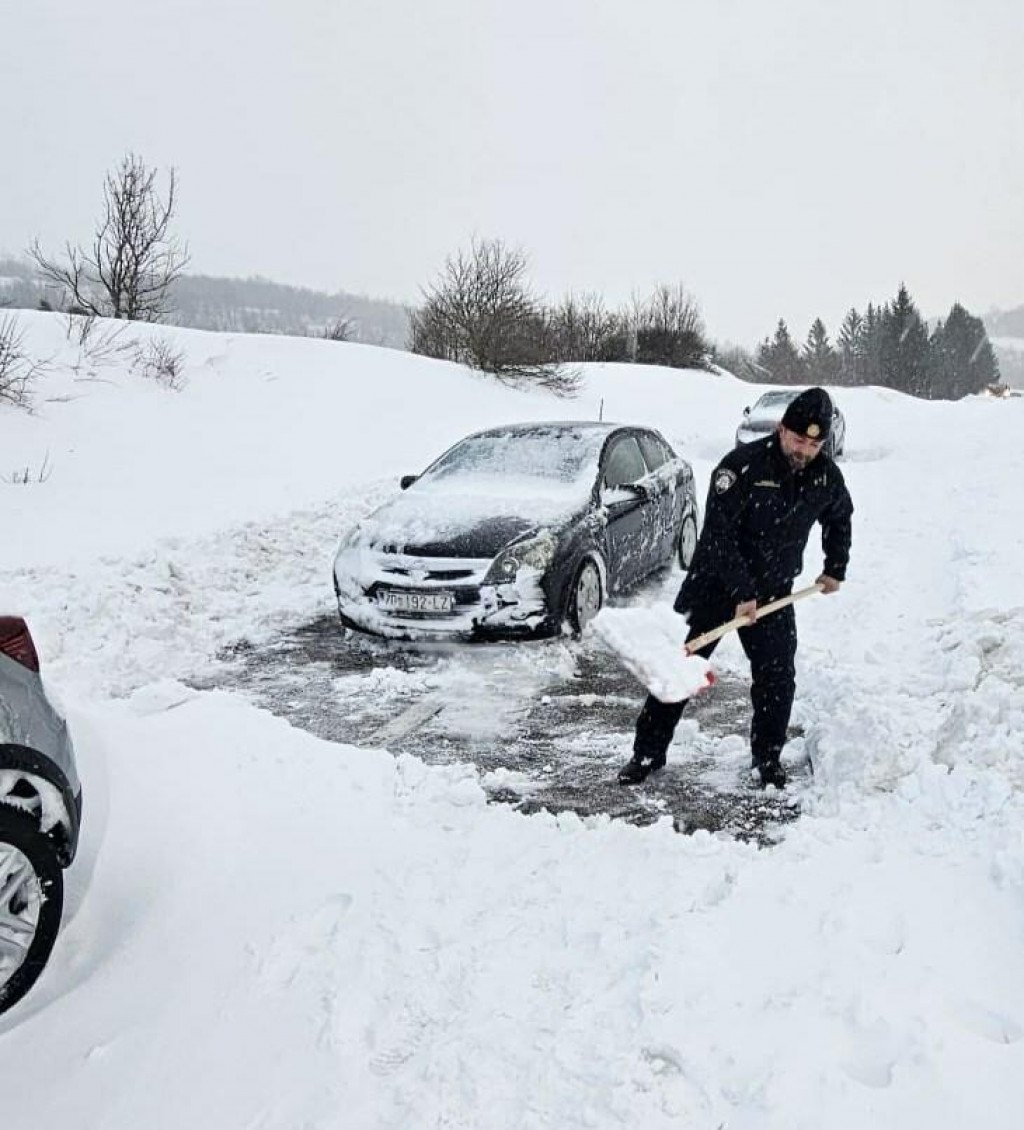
pixel 759 517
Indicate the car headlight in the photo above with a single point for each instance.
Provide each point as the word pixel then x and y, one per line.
pixel 535 553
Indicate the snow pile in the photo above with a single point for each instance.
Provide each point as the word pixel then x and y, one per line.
pixel 116 623
pixel 983 721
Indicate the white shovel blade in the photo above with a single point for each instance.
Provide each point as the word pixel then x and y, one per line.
pixel 650 643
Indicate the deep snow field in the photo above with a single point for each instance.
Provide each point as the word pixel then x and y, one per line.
pixel 265 931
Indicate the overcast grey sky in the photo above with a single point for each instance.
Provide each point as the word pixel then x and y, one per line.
pixel 780 157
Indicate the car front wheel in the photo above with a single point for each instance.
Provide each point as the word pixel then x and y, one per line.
pixel 586 596
pixel 31 903
pixel 687 541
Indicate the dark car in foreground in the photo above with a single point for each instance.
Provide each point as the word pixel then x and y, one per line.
pixel 767 412
pixel 518 531
pixel 40 812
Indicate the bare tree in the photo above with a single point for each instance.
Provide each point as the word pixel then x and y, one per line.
pixel 670 330
pixel 481 312
pixel 583 330
pixel 134 259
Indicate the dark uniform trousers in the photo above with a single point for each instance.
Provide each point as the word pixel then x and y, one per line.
pixel 770 645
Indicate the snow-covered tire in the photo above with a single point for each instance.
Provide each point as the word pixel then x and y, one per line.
pixel 686 543
pixel 31 903
pixel 586 595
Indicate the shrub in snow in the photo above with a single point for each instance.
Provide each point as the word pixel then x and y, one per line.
pixel 22 476
pixel 158 360
pixel 17 371
pixel 481 312
pixel 341 329
pixel 102 344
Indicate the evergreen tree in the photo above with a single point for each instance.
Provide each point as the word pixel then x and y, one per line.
pixel 820 359
pixel 781 358
pixel 941 364
pixel 904 346
pixel 852 356
pixel 872 345
pixel 961 359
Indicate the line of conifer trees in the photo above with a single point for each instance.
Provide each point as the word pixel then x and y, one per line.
pixel 887 345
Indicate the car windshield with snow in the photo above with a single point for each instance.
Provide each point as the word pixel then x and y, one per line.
pixel 762 418
pixel 519 530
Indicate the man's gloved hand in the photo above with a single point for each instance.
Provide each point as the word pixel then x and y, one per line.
pixel 828 584
pixel 746 609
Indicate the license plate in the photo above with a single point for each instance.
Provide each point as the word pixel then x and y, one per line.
pixel 397 600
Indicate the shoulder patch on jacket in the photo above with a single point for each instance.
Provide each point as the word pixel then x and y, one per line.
pixel 723 480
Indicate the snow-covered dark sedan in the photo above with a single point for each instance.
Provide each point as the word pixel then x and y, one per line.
pixel 519 530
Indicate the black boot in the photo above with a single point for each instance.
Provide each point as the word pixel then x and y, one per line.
pixel 639 768
pixel 770 773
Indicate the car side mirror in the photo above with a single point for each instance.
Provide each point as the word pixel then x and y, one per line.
pixel 746 411
pixel 638 490
pixel 406 481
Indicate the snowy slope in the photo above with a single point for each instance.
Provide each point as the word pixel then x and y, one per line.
pixel 266 930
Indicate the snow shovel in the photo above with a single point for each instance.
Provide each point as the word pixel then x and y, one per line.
pixel 744 621
pixel 647 643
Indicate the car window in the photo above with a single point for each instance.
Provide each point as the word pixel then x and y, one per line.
pixel 655 452
pixel 623 464
pixel 772 406
pixel 777 399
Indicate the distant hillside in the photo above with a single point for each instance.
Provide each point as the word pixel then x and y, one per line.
pixel 1006 332
pixel 243 306
pixel 19 285
pixel 1010 355
pixel 261 306
pixel 1005 323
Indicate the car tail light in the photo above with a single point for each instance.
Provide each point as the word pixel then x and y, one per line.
pixel 16 642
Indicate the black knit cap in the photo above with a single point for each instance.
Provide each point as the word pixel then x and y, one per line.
pixel 810 414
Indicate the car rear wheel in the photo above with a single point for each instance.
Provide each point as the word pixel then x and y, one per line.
pixel 586 596
pixel 687 544
pixel 31 903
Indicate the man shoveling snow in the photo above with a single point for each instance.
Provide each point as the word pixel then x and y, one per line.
pixel 763 501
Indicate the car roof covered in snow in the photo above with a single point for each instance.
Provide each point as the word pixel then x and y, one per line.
pixel 528 427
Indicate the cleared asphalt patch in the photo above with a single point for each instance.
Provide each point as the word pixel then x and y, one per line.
pixel 548 723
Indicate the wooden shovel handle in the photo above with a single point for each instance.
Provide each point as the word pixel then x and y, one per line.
pixel 698 642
